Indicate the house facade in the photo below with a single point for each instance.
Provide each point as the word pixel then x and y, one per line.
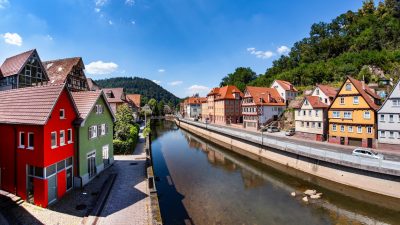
pixel 285 89
pixel 95 135
pixel 69 71
pixel 352 115
pixel 311 116
pixel 37 144
pixel 224 105
pixel 134 104
pixel 22 70
pixel 193 107
pixel 261 105
pixel 389 120
pixel 115 97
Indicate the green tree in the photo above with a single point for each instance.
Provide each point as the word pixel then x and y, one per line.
pixel 160 108
pixel 240 78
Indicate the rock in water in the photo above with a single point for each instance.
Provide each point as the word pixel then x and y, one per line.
pixel 305 199
pixel 310 192
pixel 293 194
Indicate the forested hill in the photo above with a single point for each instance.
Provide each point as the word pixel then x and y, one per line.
pixel 352 41
pixel 136 85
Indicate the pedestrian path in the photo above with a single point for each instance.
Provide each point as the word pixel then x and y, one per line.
pixel 129 201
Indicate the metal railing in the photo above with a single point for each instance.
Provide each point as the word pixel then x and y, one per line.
pixel 331 156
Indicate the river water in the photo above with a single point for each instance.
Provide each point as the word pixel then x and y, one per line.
pixel 199 182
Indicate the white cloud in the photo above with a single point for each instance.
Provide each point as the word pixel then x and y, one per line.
pixel 130 2
pixel 260 54
pixel 161 70
pixel 175 83
pixel 133 22
pixel 157 81
pixel 48 37
pixel 110 22
pixel 201 90
pixel 100 67
pixel 97 10
pixel 283 50
pixel 12 38
pixel 100 3
pixel 4 4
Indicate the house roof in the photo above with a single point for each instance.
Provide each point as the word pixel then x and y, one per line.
pixel 315 102
pixel 195 100
pixel 117 95
pixel 327 90
pixel 92 85
pixel 390 94
pixel 286 85
pixel 59 69
pixel 265 96
pixel 14 64
pixel 134 98
pixel 365 92
pixel 86 100
pixel 31 105
pixel 225 92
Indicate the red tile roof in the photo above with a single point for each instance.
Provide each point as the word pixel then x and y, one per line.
pixel 14 64
pixel 31 105
pixel 92 85
pixel 225 92
pixel 286 85
pixel 118 95
pixel 86 100
pixel 366 92
pixel 59 69
pixel 194 100
pixel 265 96
pixel 328 90
pixel 315 102
pixel 134 98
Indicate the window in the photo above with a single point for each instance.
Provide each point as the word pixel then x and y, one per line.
pixel 319 125
pixel 350 129
pixel 302 124
pixel 367 115
pixel 359 129
pixel 53 139
pixel 391 118
pixel 103 129
pixel 30 140
pixel 341 128
pixel 93 132
pixel 369 129
pixel 342 100
pixel 304 112
pixel 298 112
pixel 309 112
pixel 69 136
pixel 62 114
pixel 382 118
pixel 347 115
pixel 62 137
pixel 317 91
pixel 316 112
pixel 334 127
pixel 313 124
pixel 50 170
pixel 382 134
pixel 308 124
pixel 305 102
pixel 396 102
pixel 391 134
pixel 21 139
pixel 336 114
pixel 99 109
pixel 348 87
pixel 60 165
pixel 356 100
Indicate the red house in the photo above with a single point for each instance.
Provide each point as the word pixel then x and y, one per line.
pixel 36 142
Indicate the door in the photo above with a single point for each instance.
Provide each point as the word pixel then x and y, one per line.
pixel 91 163
pixel 69 178
pixel 30 190
pixel 106 159
pixel 342 140
pixel 369 142
pixel 52 188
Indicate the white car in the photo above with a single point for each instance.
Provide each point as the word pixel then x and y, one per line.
pixel 365 152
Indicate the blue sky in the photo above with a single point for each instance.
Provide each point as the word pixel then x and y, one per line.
pixel 186 46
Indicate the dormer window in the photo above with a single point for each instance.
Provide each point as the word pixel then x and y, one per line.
pixel 62 114
pixel 348 87
pixel 317 91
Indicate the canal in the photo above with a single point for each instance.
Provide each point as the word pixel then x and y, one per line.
pixel 199 182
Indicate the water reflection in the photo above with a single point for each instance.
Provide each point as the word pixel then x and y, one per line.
pixel 218 186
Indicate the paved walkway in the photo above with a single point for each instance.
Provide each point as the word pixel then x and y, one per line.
pixel 129 201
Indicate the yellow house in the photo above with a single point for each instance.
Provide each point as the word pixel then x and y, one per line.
pixel 352 115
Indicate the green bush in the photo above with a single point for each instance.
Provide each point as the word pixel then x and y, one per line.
pixel 122 147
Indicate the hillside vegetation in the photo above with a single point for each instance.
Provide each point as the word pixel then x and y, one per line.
pixel 136 85
pixel 351 41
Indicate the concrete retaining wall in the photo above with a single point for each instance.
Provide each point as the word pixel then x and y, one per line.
pixel 369 181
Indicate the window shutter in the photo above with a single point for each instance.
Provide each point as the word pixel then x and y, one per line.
pixel 90 132
pixel 106 128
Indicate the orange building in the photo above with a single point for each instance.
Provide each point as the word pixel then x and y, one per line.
pixel 223 105
pixel 352 115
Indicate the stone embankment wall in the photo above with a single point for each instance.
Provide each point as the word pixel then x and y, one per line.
pixel 383 184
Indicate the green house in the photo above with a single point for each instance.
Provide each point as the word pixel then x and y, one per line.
pixel 94 135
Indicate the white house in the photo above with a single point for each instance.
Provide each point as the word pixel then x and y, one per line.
pixel 285 89
pixel 389 120
pixel 193 107
pixel 261 105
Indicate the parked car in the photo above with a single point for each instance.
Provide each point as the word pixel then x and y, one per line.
pixel 290 132
pixel 365 152
pixel 272 129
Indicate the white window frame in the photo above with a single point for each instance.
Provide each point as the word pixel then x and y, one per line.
pixel 21 134
pixel 342 101
pixel 348 115
pixel 334 128
pixel 55 139
pixel 382 134
pixel 391 118
pixel 69 141
pixel 356 102
pixel 382 118
pixel 103 129
pixel 341 128
pixel 336 114
pixel 63 114
pixel 391 134
pixel 359 129
pixel 350 129
pixel 29 139
pixel 348 87
pixel 62 137
pixel 367 113
pixel 369 129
